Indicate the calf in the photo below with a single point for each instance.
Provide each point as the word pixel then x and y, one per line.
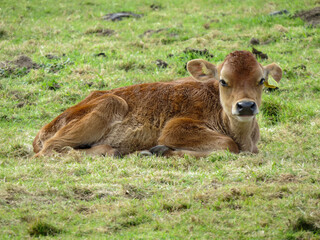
pixel 212 110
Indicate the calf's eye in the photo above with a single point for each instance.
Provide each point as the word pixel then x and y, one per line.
pixel 223 83
pixel 262 81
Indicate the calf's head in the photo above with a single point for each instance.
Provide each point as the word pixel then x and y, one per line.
pixel 241 79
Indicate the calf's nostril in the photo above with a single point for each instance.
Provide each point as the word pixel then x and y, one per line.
pixel 239 106
pixel 253 106
pixel 246 108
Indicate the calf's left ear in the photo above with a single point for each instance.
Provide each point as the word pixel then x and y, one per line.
pixel 274 70
pixel 202 70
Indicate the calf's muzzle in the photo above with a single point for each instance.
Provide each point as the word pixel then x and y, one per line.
pixel 246 108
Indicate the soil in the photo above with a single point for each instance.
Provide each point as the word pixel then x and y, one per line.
pixel 155 7
pixel 312 16
pixel 150 32
pixel 101 31
pixel 161 64
pixel 20 62
pixel 254 41
pixel 259 54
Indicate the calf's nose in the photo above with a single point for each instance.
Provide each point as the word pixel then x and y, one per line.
pixel 247 108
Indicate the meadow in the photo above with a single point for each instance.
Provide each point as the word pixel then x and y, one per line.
pixel 54 53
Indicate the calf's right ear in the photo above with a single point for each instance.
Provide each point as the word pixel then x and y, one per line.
pixel 202 70
pixel 274 70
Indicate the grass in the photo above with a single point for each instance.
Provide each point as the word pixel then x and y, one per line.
pixel 271 195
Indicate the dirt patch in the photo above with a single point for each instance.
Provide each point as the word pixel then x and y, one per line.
pixel 312 16
pixel 19 150
pixel 259 55
pixel 41 228
pixel 208 25
pixel 18 67
pixel 254 41
pixel 306 223
pixel 119 16
pixel 285 178
pixel 155 7
pixel 161 64
pixel 131 191
pixel 175 206
pixel 83 194
pixel 150 32
pixel 2 33
pixel 85 210
pixel 21 62
pixel 101 31
pixel 12 195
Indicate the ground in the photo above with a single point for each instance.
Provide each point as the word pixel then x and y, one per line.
pixel 54 54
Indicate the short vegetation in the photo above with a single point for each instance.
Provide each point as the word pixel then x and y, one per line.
pixel 54 53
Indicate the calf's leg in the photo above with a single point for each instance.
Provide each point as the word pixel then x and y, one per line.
pixel 188 136
pixel 90 128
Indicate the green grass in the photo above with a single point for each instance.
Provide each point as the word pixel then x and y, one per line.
pixel 271 195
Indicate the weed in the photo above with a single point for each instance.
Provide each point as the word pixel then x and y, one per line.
pixel 175 206
pixel 2 33
pixel 19 150
pixel 271 110
pixel 40 228
pixel 13 72
pixel 50 84
pixel 303 223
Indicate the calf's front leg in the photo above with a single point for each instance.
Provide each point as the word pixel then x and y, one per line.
pixel 182 136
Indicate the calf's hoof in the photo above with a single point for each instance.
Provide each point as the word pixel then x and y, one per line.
pixel 145 153
pixel 160 150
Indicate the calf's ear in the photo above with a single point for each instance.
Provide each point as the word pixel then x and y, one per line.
pixel 202 69
pixel 274 70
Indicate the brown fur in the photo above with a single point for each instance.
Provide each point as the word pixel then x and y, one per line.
pixel 188 116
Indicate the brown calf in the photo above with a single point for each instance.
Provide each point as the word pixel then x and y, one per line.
pixel 212 110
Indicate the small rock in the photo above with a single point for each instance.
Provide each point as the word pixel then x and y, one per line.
pixel 284 11
pixel 100 55
pixel 119 16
